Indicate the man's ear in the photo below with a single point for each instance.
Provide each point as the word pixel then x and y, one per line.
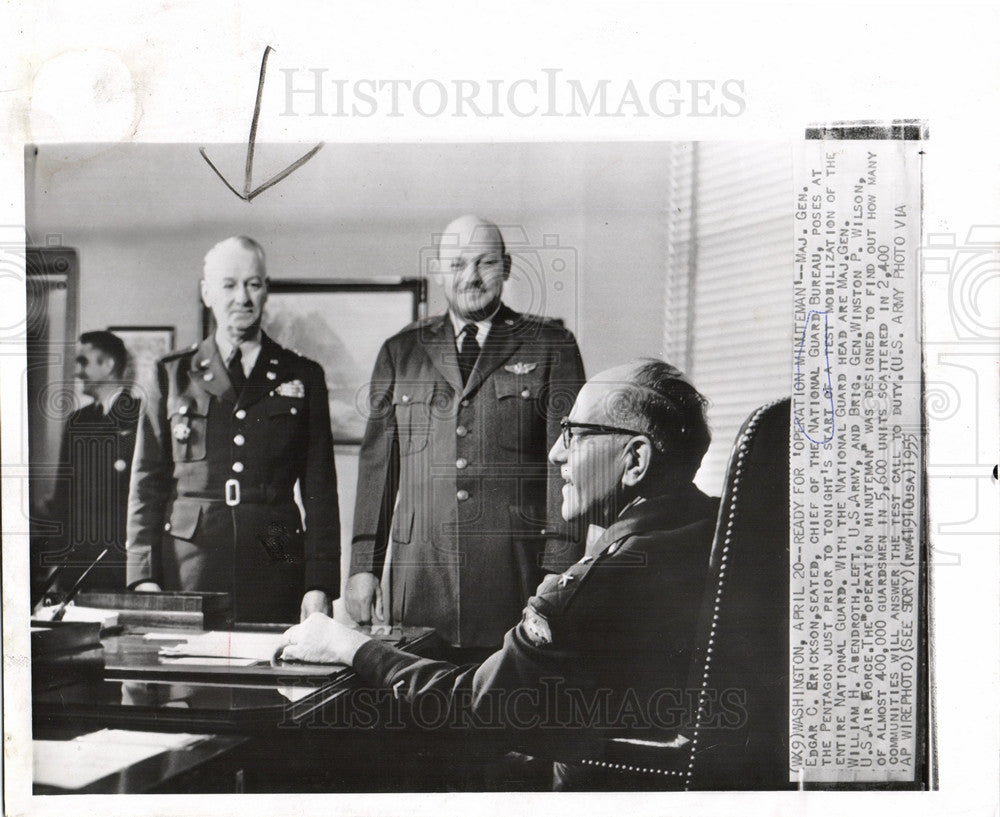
pixel 201 288
pixel 506 266
pixel 638 455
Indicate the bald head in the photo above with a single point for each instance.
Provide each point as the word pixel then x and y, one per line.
pixel 471 266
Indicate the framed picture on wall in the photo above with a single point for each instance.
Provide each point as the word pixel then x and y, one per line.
pixel 341 325
pixel 145 345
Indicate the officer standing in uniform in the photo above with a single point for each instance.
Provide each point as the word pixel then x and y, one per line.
pixel 235 422
pixel 90 502
pixel 464 407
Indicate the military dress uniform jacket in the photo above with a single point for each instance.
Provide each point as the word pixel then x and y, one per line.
pixel 603 649
pixel 212 505
pixel 90 501
pixel 476 497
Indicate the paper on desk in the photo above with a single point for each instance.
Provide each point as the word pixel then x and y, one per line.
pixel 207 661
pixel 221 644
pixel 73 764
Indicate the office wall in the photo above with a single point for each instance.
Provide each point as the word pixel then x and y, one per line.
pixel 584 223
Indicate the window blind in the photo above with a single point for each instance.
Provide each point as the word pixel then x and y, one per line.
pixel 729 295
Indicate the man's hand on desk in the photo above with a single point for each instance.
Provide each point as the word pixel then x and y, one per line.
pixel 147 587
pixel 321 640
pixel 315 601
pixel 363 596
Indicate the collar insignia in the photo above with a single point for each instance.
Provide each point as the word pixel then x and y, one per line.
pixel 520 367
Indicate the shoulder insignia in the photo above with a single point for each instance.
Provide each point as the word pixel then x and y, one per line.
pixel 536 627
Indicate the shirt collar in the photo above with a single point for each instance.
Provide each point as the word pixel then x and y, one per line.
pixel 483 326
pixel 108 402
pixel 250 347
pixel 595 532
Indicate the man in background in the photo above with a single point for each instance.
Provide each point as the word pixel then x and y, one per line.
pixel 464 407
pixel 229 429
pixel 90 501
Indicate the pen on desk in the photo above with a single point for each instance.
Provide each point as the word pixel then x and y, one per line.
pixel 61 610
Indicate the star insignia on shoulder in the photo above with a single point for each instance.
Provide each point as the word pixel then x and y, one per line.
pixel 520 367
pixel 565 578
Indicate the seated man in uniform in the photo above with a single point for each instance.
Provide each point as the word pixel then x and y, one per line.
pixel 616 630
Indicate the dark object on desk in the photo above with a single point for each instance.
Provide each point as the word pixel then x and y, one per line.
pixel 194 610
pixel 50 638
pixel 64 651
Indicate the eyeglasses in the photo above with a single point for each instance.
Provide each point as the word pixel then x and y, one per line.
pixel 592 429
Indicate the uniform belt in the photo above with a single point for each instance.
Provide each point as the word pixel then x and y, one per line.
pixel 233 493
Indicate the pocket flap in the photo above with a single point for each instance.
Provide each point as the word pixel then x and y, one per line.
pixel 524 386
pixel 184 519
pixel 190 405
pixel 406 394
pixel 528 518
pixel 277 406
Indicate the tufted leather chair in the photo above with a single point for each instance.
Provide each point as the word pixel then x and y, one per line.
pixel 737 736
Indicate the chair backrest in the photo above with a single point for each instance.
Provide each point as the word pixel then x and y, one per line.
pixel 740 738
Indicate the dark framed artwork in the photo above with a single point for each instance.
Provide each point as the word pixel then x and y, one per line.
pixel 341 325
pixel 145 345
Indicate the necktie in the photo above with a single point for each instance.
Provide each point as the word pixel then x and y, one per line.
pixel 468 352
pixel 235 367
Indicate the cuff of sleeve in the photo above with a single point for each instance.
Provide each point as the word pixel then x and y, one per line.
pixel 374 660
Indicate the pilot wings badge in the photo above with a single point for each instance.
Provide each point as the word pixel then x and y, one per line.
pixel 520 367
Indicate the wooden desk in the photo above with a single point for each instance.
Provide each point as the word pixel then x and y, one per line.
pixel 265 723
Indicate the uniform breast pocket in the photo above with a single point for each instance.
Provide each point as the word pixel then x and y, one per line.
pixel 189 427
pixel 285 416
pixel 521 425
pixel 413 406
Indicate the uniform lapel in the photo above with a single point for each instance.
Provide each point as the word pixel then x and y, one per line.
pixel 500 344
pixel 208 369
pixel 265 375
pixel 442 350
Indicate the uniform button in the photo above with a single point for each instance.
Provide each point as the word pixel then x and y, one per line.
pixel 525 392
pixel 461 431
pixel 241 414
pixel 238 467
pixel 120 465
pixel 294 410
pixel 405 398
pixel 465 403
pixel 183 409
pixel 461 463
pixel 239 439
pixel 272 376
pixel 166 526
pixel 462 495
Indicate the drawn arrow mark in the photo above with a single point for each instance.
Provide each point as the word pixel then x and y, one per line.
pixel 249 192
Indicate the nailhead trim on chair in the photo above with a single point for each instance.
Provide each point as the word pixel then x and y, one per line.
pixel 742 448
